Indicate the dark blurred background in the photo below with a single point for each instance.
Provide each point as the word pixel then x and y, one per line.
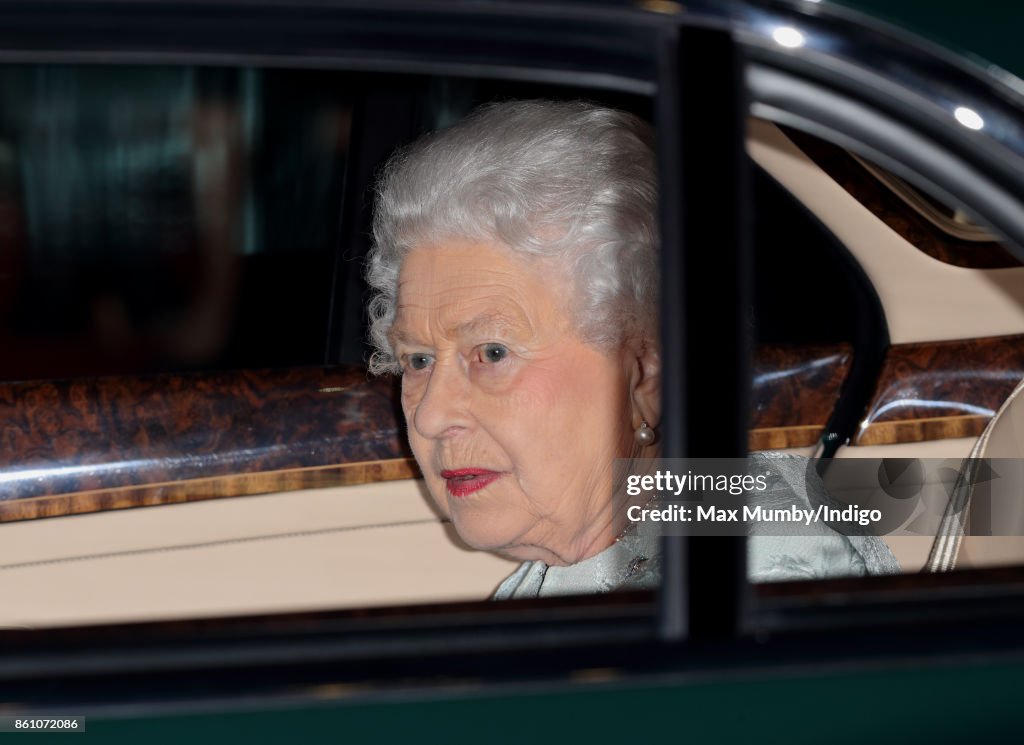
pixel 159 219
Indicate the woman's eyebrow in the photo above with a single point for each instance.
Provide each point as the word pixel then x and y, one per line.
pixel 488 322
pixel 512 323
pixel 395 336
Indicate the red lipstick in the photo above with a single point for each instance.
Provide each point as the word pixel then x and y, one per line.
pixel 464 481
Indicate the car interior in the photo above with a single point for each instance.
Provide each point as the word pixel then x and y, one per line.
pixel 188 426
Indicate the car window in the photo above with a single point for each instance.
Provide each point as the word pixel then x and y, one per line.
pixel 184 303
pixel 313 458
pixel 165 219
pixel 948 292
pixel 290 446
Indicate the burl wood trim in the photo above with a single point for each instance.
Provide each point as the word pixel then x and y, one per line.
pixel 108 434
pixel 168 439
pixel 782 438
pixel 941 390
pixel 922 430
pixel 795 389
pixel 897 214
pixel 196 490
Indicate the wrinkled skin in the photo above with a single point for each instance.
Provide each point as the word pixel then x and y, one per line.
pixel 495 377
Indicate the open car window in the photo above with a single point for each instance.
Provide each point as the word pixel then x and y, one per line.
pixel 278 477
pixel 187 383
pixel 276 483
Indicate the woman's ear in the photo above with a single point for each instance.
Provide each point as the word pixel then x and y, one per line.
pixel 645 382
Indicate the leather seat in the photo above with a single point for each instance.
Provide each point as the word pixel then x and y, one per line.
pixel 953 547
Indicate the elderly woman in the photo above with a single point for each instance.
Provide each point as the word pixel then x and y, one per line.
pixel 515 275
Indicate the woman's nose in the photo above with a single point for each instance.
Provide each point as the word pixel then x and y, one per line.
pixel 442 410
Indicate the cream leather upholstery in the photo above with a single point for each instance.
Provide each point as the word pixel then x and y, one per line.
pixel 910 550
pixel 1002 438
pixel 318 549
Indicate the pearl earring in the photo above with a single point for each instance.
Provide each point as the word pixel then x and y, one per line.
pixel 643 434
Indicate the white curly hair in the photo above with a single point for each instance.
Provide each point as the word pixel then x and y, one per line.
pixel 566 180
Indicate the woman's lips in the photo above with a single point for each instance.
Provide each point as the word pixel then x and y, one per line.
pixel 464 481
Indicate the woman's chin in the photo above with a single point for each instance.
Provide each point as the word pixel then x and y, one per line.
pixel 507 546
pixel 480 537
pixel 481 534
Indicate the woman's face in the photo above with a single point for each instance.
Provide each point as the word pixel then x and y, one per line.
pixel 514 421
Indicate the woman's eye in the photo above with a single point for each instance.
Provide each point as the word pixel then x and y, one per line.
pixel 418 361
pixel 493 353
